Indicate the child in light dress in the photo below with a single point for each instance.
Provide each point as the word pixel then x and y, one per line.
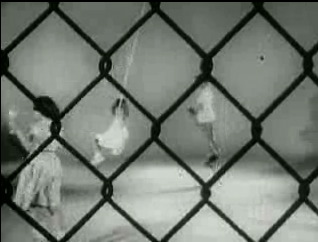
pixel 39 184
pixel 203 113
pixel 113 140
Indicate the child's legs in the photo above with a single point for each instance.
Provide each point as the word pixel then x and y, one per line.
pixel 98 156
pixel 57 219
pixel 96 145
pixel 213 143
pixel 207 128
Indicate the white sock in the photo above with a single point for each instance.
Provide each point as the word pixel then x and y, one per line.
pixel 97 159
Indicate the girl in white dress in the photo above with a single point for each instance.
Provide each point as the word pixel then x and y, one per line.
pixel 113 140
pixel 39 184
pixel 204 115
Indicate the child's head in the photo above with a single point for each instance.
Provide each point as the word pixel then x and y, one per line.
pixel 46 107
pixel 120 108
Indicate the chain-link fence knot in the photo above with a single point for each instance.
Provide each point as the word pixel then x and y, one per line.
pixel 155 5
pixel 304 190
pixel 105 65
pixel 206 66
pixel 54 5
pixel 308 64
pixel 258 5
pixel 55 128
pixel 205 193
pixel 256 130
pixel 107 190
pixel 6 191
pixel 155 130
pixel 4 62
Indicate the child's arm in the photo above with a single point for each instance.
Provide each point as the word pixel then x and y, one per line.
pixel 195 108
pixel 193 114
pixel 26 140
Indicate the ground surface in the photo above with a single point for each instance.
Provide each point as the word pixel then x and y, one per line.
pixel 158 194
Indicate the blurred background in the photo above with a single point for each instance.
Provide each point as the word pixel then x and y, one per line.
pixel 255 67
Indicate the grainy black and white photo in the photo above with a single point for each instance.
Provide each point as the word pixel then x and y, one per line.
pixel 159 121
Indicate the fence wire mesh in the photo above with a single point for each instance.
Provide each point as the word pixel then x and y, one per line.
pixel 206 67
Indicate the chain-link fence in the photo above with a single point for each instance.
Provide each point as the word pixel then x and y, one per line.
pixel 206 66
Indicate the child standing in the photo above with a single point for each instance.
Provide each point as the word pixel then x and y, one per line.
pixel 204 115
pixel 39 184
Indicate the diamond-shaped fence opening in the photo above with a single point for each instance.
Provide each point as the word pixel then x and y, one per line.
pixel 101 228
pixel 10 217
pixel 62 58
pixel 11 27
pixel 82 135
pixel 205 65
pixel 252 196
pixel 300 225
pixel 189 141
pixel 195 229
pixel 202 21
pixel 268 68
pixel 294 112
pixel 294 24
pixel 161 59
pixel 142 199
pixel 111 29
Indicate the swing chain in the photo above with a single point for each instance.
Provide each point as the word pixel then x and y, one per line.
pixel 130 57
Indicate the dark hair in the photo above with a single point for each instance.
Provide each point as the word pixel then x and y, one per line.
pixel 47 107
pixel 120 103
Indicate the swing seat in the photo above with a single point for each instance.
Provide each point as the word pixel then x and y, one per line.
pixel 114 139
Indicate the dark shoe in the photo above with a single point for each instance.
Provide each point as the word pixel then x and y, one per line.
pixel 213 158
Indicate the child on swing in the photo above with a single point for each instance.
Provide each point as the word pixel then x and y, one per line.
pixel 203 113
pixel 114 139
pixel 39 183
